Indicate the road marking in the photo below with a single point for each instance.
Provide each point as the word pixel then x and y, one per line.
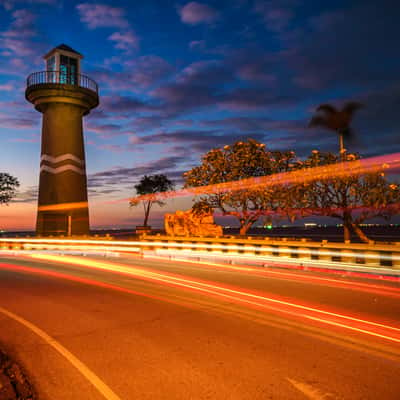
pixel 82 368
pixel 309 391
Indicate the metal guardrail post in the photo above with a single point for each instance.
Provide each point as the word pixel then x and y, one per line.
pixel 324 254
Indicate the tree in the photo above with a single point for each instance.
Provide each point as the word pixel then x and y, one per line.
pixel 331 118
pixel 150 185
pixel 232 163
pixel 352 199
pixel 8 187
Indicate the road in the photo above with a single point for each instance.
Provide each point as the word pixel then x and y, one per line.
pixel 132 328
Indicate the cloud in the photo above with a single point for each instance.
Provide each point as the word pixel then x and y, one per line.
pixel 247 99
pixel 199 141
pixel 102 16
pixel 257 71
pixel 33 138
pixel 29 195
pixel 124 104
pixel 137 73
pixel 105 16
pixel 114 148
pixel 126 41
pixel 23 19
pixel 17 40
pixel 103 129
pixel 6 87
pixel 258 124
pixel 197 45
pixel 378 118
pixel 115 179
pixel 145 71
pixel 18 123
pixel 209 72
pixel 10 4
pixel 196 86
pixel 195 13
pixel 345 47
pixel 276 15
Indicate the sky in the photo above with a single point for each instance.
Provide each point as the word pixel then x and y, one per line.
pixel 179 78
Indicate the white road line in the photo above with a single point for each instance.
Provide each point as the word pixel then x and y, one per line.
pixel 82 368
pixel 309 391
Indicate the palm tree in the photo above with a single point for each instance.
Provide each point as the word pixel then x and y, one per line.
pixel 329 117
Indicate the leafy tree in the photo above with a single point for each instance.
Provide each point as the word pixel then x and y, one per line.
pixel 151 185
pixel 331 118
pixel 8 187
pixel 351 199
pixel 232 163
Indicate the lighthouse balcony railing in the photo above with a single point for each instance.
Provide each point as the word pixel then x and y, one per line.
pixel 62 77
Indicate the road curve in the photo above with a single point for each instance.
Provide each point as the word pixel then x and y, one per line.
pixel 128 328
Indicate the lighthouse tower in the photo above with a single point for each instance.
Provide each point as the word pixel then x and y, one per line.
pixel 63 95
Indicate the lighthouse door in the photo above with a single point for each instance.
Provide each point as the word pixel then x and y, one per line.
pixel 55 223
pixel 68 70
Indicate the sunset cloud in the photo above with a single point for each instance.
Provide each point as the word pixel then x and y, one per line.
pixel 195 13
pixel 126 41
pixel 102 16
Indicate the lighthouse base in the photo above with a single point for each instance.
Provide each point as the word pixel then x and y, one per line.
pixel 71 223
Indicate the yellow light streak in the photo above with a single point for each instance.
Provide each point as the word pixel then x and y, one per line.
pixel 338 170
pixel 230 293
pixel 173 246
pixel 64 206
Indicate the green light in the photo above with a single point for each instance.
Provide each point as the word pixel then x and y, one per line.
pixel 268 226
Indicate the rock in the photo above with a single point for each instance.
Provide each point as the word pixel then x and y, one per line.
pixel 188 223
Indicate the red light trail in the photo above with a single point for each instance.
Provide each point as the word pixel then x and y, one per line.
pixel 333 282
pixel 239 296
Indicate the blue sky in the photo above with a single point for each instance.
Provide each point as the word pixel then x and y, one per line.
pixel 178 78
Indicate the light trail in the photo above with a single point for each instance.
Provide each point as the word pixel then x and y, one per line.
pixel 333 282
pixel 91 282
pixel 296 310
pixel 64 206
pixel 135 246
pixel 338 170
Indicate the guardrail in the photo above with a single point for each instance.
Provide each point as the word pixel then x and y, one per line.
pixel 61 77
pixel 303 251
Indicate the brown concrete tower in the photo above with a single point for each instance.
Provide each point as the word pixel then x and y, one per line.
pixel 63 96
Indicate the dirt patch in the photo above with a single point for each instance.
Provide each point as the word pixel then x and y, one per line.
pixel 13 382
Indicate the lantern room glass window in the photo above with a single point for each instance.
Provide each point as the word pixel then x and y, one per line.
pixel 51 67
pixel 68 70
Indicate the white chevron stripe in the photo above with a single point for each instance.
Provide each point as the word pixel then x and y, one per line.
pixel 62 169
pixel 63 157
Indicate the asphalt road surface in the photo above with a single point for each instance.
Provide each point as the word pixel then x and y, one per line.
pixel 131 328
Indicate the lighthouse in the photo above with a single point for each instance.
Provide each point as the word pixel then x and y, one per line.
pixel 64 96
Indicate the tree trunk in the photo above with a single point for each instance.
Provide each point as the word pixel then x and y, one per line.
pixel 360 233
pixel 146 214
pixel 341 145
pixel 346 232
pixel 244 228
pixel 347 221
